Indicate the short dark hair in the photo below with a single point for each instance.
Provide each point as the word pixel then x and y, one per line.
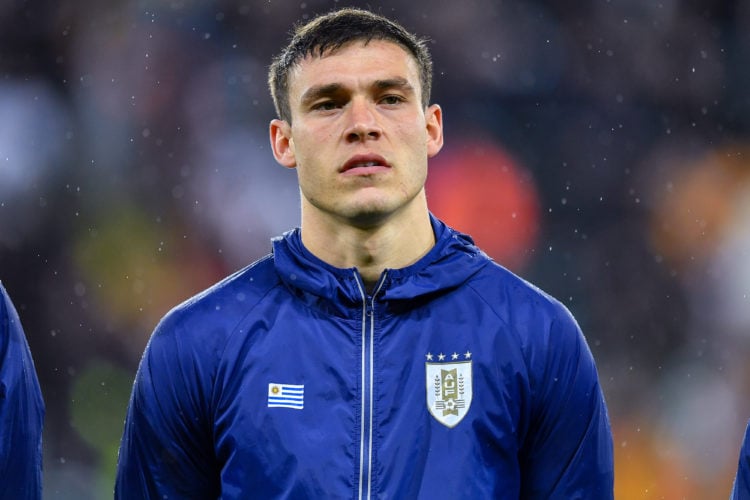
pixel 329 32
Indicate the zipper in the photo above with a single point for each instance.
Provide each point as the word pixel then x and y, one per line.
pixel 367 376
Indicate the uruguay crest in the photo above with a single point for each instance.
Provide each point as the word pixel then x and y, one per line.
pixel 449 391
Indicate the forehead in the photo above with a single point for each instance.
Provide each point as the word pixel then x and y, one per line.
pixel 354 62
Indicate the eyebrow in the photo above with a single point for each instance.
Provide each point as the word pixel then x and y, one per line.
pixel 394 83
pixel 329 89
pixel 316 92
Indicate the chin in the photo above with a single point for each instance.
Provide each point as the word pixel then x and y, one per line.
pixel 376 212
pixel 369 216
pixel 369 219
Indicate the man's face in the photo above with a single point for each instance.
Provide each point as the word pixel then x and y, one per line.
pixel 359 136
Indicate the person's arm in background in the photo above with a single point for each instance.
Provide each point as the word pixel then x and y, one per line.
pixel 21 410
pixel 741 488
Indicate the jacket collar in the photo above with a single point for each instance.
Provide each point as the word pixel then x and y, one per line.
pixel 452 260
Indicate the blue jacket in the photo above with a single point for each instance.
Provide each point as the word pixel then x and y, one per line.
pixel 741 488
pixel 452 379
pixel 21 411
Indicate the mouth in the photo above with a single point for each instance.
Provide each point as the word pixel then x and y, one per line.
pixel 364 165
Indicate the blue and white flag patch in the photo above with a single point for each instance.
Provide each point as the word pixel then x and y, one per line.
pixel 286 396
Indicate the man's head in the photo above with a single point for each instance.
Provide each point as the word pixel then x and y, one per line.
pixel 330 32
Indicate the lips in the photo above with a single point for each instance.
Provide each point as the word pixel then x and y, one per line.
pixel 365 163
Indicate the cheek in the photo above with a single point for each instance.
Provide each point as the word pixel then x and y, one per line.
pixel 415 133
pixel 310 177
pixel 314 146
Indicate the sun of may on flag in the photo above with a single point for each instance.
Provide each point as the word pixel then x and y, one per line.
pixel 286 396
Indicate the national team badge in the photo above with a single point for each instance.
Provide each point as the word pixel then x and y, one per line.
pixel 449 391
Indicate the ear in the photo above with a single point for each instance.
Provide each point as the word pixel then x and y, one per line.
pixel 281 143
pixel 434 119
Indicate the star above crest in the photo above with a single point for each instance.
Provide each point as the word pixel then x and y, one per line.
pixel 454 356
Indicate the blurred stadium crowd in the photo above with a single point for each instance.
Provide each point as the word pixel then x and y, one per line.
pixel 599 148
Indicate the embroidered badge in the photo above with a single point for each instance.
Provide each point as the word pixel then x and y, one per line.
pixel 449 391
pixel 286 396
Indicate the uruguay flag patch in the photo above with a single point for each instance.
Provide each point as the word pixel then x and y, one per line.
pixel 286 396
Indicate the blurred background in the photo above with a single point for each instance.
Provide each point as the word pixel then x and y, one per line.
pixel 599 148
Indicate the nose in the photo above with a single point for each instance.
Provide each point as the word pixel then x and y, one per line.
pixel 363 122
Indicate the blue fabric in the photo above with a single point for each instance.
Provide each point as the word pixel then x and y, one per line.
pixel 741 488
pixel 200 424
pixel 21 411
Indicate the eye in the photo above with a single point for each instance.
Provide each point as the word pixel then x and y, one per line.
pixel 392 99
pixel 325 106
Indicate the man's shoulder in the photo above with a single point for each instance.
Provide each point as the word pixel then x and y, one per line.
pixel 224 304
pixel 251 281
pixel 500 285
pixel 527 310
pixel 10 324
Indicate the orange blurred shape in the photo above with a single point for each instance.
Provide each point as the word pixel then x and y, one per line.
pixel 477 188
pixel 691 214
pixel 651 466
pixel 648 466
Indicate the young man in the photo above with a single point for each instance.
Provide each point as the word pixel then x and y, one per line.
pixel 21 410
pixel 376 353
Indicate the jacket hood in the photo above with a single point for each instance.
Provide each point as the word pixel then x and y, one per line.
pixel 452 260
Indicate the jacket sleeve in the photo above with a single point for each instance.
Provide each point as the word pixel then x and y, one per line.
pixel 166 449
pixel 21 411
pixel 741 488
pixel 568 450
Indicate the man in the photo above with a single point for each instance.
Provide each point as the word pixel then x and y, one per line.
pixel 376 353
pixel 21 411
pixel 741 487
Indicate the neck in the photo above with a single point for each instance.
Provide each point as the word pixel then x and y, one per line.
pixel 394 243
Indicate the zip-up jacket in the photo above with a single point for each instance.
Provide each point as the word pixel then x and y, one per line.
pixel 741 486
pixel 21 411
pixel 452 379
